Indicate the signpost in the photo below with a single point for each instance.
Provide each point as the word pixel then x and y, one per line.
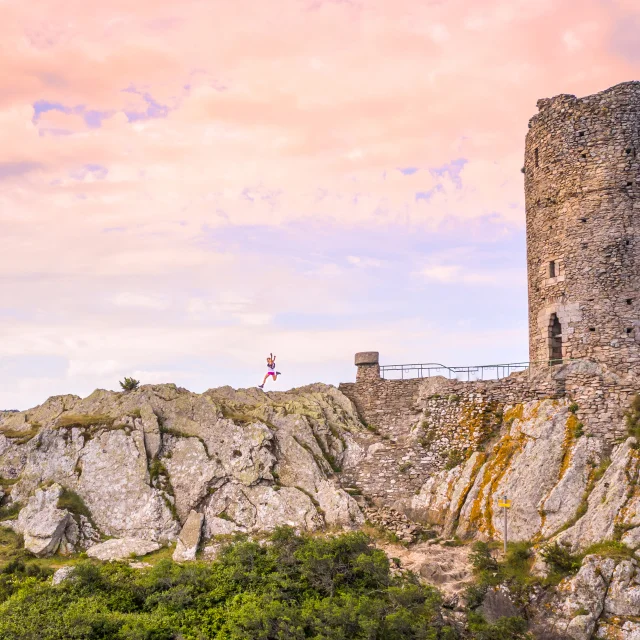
pixel 505 504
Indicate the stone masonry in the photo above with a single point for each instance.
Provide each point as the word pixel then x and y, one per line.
pixel 582 188
pixel 420 426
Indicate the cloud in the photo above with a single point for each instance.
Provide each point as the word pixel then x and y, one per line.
pixel 144 160
pixel 455 274
pixel 136 300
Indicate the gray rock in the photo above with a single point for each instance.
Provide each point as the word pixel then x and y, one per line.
pixel 62 574
pixel 580 600
pixel 623 596
pixel 497 604
pixel 606 501
pixel 45 528
pixel 189 538
pixel 122 548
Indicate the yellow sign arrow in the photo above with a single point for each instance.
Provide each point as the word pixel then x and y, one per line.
pixel 506 504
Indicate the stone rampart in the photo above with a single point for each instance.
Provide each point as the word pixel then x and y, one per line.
pixel 420 426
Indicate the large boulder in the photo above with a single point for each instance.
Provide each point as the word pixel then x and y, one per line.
pixel 45 528
pixel 189 538
pixel 539 461
pixel 122 548
pixel 608 505
pixel 574 610
pixel 237 507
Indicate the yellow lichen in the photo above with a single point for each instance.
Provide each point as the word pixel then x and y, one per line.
pixel 479 419
pixel 568 443
pixel 515 413
pixel 482 509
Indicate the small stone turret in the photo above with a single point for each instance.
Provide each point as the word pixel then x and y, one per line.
pixel 368 366
pixel 582 189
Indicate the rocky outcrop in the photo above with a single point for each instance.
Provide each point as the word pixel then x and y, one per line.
pixel 122 548
pixel 601 601
pixel 62 574
pixel 142 461
pixel 189 538
pixel 45 528
pixel 542 461
pixel 613 506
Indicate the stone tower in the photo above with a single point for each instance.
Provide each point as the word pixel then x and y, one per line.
pixel 582 190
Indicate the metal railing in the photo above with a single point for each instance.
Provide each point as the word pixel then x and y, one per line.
pixel 478 372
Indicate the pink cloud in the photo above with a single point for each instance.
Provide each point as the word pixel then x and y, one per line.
pixel 277 112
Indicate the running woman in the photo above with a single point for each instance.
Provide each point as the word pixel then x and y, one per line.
pixel 271 370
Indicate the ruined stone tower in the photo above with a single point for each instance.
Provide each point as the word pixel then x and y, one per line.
pixel 582 189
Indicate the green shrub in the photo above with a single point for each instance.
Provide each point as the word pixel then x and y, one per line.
pixel 72 502
pixel 130 384
pixel 610 549
pixel 294 588
pixel 559 560
pixel 454 458
pixel 481 558
pixel 503 628
pixel 573 407
pixel 632 417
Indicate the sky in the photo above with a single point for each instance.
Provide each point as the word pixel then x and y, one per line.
pixel 188 186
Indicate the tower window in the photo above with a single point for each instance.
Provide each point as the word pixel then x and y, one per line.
pixel 583 156
pixel 581 134
pixel 552 269
pixel 629 300
pixel 629 184
pixel 592 328
pixel 583 219
pixel 627 151
pixel 629 330
pixel 535 153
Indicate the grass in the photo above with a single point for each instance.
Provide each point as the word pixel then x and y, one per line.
pixel 632 418
pixel 514 570
pixel 72 502
pixel 10 512
pixel 454 458
pixel 21 436
pixel 159 478
pixel 609 549
pixel 83 421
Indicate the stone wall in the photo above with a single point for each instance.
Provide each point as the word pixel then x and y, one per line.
pixel 418 427
pixel 582 188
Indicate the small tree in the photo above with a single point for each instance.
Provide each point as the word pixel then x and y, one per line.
pixel 130 384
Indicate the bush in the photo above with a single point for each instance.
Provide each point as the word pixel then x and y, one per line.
pixel 632 417
pixel 503 629
pixel 454 458
pixel 573 407
pixel 481 558
pixel 295 587
pixel 559 560
pixel 130 384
